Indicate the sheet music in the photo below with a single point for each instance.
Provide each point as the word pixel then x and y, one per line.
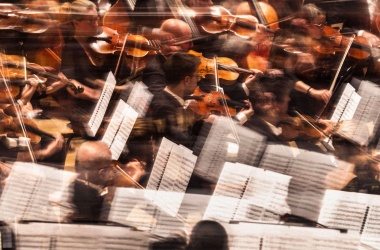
pixel 359 213
pixel 347 104
pixel 101 106
pixel 130 206
pixel 78 236
pixel 366 118
pixel 265 197
pixel 215 151
pixel 159 165
pixel 246 193
pixel 175 179
pixel 192 209
pixel 309 171
pixel 228 192
pixel 119 128
pixel 270 236
pixel 36 192
pixel 140 98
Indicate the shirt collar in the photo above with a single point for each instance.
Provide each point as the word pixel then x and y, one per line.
pixel 179 99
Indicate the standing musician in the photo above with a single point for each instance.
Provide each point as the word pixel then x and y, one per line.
pixel 82 65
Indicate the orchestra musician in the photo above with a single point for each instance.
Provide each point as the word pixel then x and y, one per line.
pixel 153 76
pixel 271 102
pixel 93 164
pixel 83 66
pixel 351 16
pixel 181 72
pixel 311 70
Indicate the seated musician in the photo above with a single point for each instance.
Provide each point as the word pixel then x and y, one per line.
pixel 169 106
pixel 351 16
pixel 93 163
pixel 270 103
pixel 82 65
pixel 311 71
pixel 153 76
pixel 12 144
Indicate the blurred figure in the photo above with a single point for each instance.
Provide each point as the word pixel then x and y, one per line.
pixel 208 235
pixel 84 66
pixel 302 56
pixel 153 75
pixel 169 106
pixel 93 164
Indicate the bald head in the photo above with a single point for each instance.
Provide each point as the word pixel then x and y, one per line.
pixel 92 158
pixel 179 30
pixel 176 27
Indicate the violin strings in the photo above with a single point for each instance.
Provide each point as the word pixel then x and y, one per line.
pixel 225 105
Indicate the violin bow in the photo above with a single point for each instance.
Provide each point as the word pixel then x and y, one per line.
pixel 225 105
pixel 17 109
pixel 120 57
pixel 332 86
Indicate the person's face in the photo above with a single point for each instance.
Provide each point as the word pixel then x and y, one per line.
pixel 88 25
pixel 104 173
pixel 192 82
pixel 315 28
pixel 282 107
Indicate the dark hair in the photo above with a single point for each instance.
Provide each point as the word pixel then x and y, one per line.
pixel 279 85
pixel 179 65
pixel 209 235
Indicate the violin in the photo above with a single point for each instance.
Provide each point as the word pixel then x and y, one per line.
pixel 109 42
pixel 264 12
pixel 214 102
pixel 220 20
pixel 303 127
pixel 16 64
pixel 340 42
pixel 12 18
pixel 116 17
pixel 227 68
pixel 13 129
pixel 121 178
pixel 294 128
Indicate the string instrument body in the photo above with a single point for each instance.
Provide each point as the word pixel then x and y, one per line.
pixel 214 102
pixel 227 68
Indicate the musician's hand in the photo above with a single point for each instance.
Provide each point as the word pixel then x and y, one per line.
pixel 27 109
pixel 248 111
pixel 55 146
pixel 327 126
pixel 250 80
pixel 320 94
pixel 373 40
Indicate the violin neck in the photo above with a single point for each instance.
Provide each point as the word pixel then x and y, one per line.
pixel 234 69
